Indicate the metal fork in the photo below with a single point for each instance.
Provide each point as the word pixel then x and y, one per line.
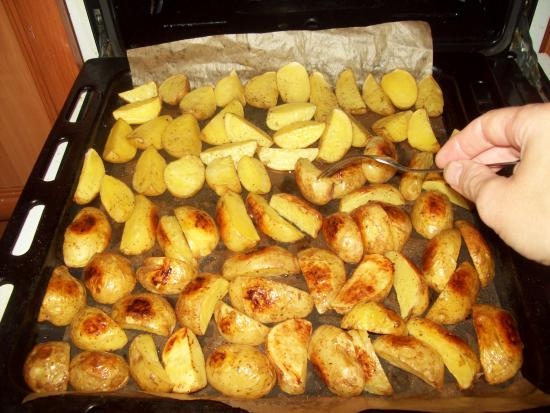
pixel 332 169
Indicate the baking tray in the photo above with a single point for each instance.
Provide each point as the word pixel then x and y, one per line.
pixel 520 286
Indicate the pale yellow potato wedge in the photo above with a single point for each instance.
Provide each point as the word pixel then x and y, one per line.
pixel 253 175
pixel 236 150
pixel 293 82
pixel 286 346
pixel 371 280
pixel 185 176
pixel 375 227
pixel 200 102
pixel 172 241
pixel 183 361
pixel 238 328
pixel 148 178
pixel 196 303
pixel 298 212
pixel 166 276
pixel 300 134
pixel 145 366
pixel 182 136
pixel 383 192
pixel 118 148
pixel 117 198
pixel 270 222
pixel 214 131
pixel 374 317
pixel 221 175
pixel 142 92
pixel 287 113
pixel 280 159
pixel 375 98
pixel 139 232
pixel 139 112
pixel 318 191
pixel 236 228
pixel 377 172
pixel 322 96
pixel 348 179
pixel 261 91
pixel 347 93
pixel 409 285
pixel 431 213
pixel 268 261
pixel 336 138
pixel 440 258
pixel 439 184
pixel 401 88
pixel 238 129
pixel 229 88
pixel 92 329
pixel 413 356
pixel 479 250
pixel 343 237
pixel 325 274
pixel 89 180
pixel 199 228
pixel 411 183
pixel 393 127
pixel 420 132
pixel 359 134
pixel 174 88
pixel 430 96
pixel 459 358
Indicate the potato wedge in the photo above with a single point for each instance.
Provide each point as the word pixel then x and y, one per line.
pixel 381 192
pixel 165 276
pixel 200 102
pixel 183 361
pixel 140 92
pixel 109 276
pixel 148 178
pixel 139 112
pixel 431 213
pixel 440 258
pixel 393 127
pixel 479 250
pixel 147 312
pixel 117 198
pixel 118 149
pixel 174 88
pixel 269 221
pixel 267 261
pixel 293 82
pixel 280 159
pixel 221 175
pixel 213 132
pixel 371 280
pixel 500 345
pixel 229 88
pixel 300 134
pixel 374 317
pixel 376 172
pixel 92 329
pixel 343 237
pixel 332 354
pixel 411 183
pixel 322 96
pixel 409 285
pixel 145 366
pixel 420 133
pixel 236 229
pixel 88 233
pixel 298 212
pixel 238 328
pixel 236 150
pixel 238 129
pixel 98 371
pixel 348 179
pixel 185 176
pixel 149 133
pixel 430 96
pixel 253 175
pixel 413 356
pixel 195 304
pixel 89 180
pixel 457 355
pixel 360 135
pixel 401 88
pixel 261 90
pixel 375 98
pixel 182 137
pixel 172 241
pixel 286 347
pixel 318 191
pixel 199 228
pixel 325 274
pixel 336 138
pixel 347 93
pixel 269 301
pixel 288 113
pixel 46 367
pixel 139 232
pixel 441 185
pixel 456 300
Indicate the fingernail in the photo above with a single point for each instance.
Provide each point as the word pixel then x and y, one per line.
pixel 453 172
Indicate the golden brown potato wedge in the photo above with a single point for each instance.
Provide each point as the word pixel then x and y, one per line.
pixel 430 96
pixel 286 347
pixel 336 139
pixel 108 277
pixel 92 329
pixel 298 135
pixel 236 228
pixel 238 129
pixel 401 88
pixel 318 191
pixel 145 366
pixel 343 237
pixel 348 179
pixel 200 102
pixel 376 172
pixel 440 258
pixel 229 88
pixel 238 328
pixel 117 198
pixel 214 131
pixel 221 175
pixel 236 150
pixel 174 88
pixel 46 367
pixel 148 178
pixel 293 82
pixel 393 127
pixel 98 371
pixel 89 180
pixel 253 175
pixel 185 176
pixel 166 276
pixel 479 250
pixel 322 96
pixel 172 241
pixel 182 136
pixel 375 98
pixel 139 112
pixel 298 212
pixel 141 92
pixel 439 184
pixel 199 228
pixel 431 213
pixel 118 149
pixel 374 317
pixel 347 93
pixel 139 232
pixel 267 261
pixel 288 113
pixel 411 183
pixel 261 91
pixel 381 192
pixel 325 274
pixel 420 132
pixel 150 133
pixel 281 159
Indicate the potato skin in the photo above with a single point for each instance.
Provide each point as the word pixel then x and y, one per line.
pixel 270 260
pixel 479 250
pixel 98 371
pixel 439 258
pixel 92 329
pixel 46 368
pixel 375 172
pixel 236 327
pixel 431 213
pixel 109 276
pixel 343 237
pixel 163 275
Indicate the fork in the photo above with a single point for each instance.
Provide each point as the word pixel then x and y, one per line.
pixel 332 169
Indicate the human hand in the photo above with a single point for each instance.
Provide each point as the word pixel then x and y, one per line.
pixel 517 207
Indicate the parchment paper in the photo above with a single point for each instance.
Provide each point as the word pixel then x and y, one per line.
pixel 376 49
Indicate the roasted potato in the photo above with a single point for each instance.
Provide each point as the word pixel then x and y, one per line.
pixel 109 276
pixel 87 234
pixel 149 133
pixel 431 213
pixel 139 112
pixel 374 317
pixel 286 346
pixel 332 354
pixel 336 139
pixel 261 90
pixel 322 96
pixel 479 250
pixel 92 329
pixel 318 191
pixel 139 232
pixel 229 88
pixel 500 346
pixel 236 229
pixel 238 328
pixel 182 136
pixel 440 258
pixel 236 150
pixel 98 371
pixel 147 312
pixel 225 372
pixel 457 355
pixel 174 88
pixel 343 237
pixel 239 129
pixel 347 93
pixel 288 113
pixel 267 261
pixel 298 135
pixel 412 355
pixel 200 102
pixel 348 179
pixel 89 180
pixel 148 178
pixel 430 96
pixel 281 159
pixel 117 198
pixel 221 175
pixel 455 301
pixel 371 280
pixel 183 361
pixel 375 98
pixel 141 92
pixel 410 184
pixel 360 135
pixel 195 304
pixel 298 212
pixel 65 295
pixel 383 192
pixel 374 171
pixel 213 132
pixel 199 228
pixel 46 367
pixel 184 177
pixel 118 148
pixel 253 175
pixel 269 301
pixel 166 276
pixel 293 82
pixel 401 88
pixel 439 184
pixel 420 133
pixel 172 241
pixel 324 273
pixel 393 127
pixel 145 366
